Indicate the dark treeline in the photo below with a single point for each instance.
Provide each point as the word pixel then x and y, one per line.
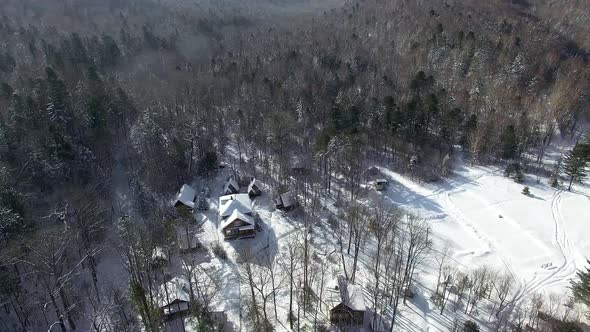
pixel 166 88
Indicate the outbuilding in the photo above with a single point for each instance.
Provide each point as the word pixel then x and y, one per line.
pixel 231 187
pixel 185 197
pixel 286 201
pixel 381 184
pixel 350 309
pixel 254 188
pixel 174 297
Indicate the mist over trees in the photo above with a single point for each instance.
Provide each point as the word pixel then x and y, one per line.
pixel 149 94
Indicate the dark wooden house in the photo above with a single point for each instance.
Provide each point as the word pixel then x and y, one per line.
pixel 350 311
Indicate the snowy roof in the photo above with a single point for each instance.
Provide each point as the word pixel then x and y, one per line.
pixel 288 199
pixel 348 294
pixel 352 297
pixel 177 288
pixel 254 184
pixel 231 183
pixel 381 181
pixel 237 215
pixel 239 202
pixel 186 196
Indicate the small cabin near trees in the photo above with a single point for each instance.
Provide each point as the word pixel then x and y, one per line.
pixel 286 201
pixel 381 184
pixel 350 309
pixel 185 197
pixel 231 187
pixel 254 188
pixel 174 297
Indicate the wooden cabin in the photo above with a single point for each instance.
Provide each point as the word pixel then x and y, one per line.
pixel 231 187
pixel 254 188
pixel 381 184
pixel 238 226
pixel 185 197
pixel 286 201
pixel 174 298
pixel 350 311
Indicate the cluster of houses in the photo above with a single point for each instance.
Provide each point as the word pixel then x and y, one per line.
pixel 236 220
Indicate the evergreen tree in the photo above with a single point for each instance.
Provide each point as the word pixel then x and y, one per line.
pixel 509 143
pixel 574 164
pixel 581 287
pixel 202 204
pixel 470 326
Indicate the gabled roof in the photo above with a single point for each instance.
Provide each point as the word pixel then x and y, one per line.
pixel 288 199
pixel 254 184
pixel 177 289
pixel 231 185
pixel 237 215
pixel 352 297
pixel 186 196
pixel 239 202
pixel 345 293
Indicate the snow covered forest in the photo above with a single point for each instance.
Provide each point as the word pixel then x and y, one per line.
pixel 294 165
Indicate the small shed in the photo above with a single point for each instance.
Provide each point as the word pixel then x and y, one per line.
pixel 350 311
pixel 381 184
pixel 185 197
pixel 187 241
pixel 286 201
pixel 254 188
pixel 231 187
pixel 238 226
pixel 174 297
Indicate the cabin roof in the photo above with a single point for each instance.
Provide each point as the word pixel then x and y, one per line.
pixel 342 292
pixel 186 196
pixel 237 215
pixel 230 183
pixel 177 288
pixel 239 202
pixel 254 184
pixel 288 199
pixel 353 297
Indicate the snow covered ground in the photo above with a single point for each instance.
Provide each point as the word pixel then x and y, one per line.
pixel 480 215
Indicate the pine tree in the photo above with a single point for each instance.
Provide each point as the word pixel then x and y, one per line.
pixel 509 143
pixel 470 326
pixel 574 164
pixel 581 287
pixel 202 204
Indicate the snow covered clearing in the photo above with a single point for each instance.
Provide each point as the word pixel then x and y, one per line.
pixel 477 215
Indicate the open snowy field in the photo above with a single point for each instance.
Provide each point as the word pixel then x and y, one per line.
pixel 483 216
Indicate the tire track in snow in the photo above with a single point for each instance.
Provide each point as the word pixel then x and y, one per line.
pixel 568 268
pixel 458 215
